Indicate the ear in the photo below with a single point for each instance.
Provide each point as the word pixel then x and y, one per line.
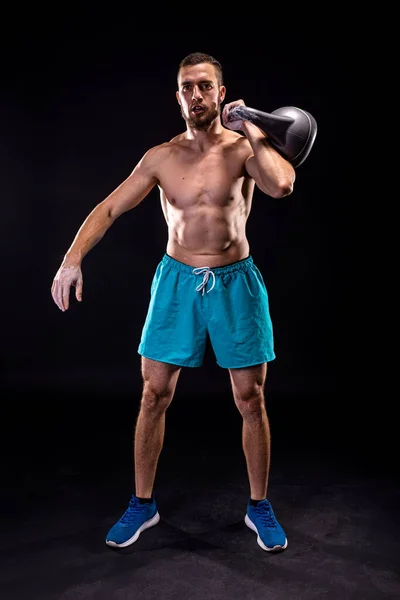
pixel 177 97
pixel 222 92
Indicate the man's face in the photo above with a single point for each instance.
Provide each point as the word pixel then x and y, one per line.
pixel 199 95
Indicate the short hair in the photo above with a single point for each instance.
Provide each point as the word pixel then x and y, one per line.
pixel 195 58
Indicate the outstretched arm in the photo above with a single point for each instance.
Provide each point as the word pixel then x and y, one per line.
pixel 125 197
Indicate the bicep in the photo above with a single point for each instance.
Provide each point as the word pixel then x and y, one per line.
pixel 131 191
pixel 251 167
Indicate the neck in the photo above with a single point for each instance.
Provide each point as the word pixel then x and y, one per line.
pixel 205 138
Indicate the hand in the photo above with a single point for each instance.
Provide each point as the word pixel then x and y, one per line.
pixel 67 276
pixel 235 125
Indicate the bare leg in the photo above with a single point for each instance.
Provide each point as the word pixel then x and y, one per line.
pixel 256 441
pixel 159 383
pixel 149 439
pixel 248 392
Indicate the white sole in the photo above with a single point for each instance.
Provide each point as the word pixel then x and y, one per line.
pixel 133 539
pixel 251 525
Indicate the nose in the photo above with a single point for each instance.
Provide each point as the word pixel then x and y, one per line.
pixel 197 93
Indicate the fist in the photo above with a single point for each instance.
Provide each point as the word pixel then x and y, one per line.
pixel 235 125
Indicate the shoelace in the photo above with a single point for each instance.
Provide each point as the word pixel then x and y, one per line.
pixel 265 514
pixel 130 512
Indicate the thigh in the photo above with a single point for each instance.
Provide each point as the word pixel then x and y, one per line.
pixel 240 326
pixel 249 381
pixel 159 378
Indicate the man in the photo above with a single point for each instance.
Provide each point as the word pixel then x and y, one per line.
pixel 206 283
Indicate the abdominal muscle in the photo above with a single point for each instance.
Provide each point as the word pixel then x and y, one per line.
pixel 207 236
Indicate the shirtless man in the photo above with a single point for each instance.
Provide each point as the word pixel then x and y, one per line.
pixel 206 283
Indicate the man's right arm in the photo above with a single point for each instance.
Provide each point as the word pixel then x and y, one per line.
pixel 125 197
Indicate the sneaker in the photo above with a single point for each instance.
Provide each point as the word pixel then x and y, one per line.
pixel 135 519
pixel 261 519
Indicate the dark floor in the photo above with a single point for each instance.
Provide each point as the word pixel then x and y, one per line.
pixel 67 477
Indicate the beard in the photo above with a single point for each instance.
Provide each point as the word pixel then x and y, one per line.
pixel 203 121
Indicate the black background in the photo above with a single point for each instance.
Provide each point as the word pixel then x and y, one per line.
pixel 85 91
pixel 84 96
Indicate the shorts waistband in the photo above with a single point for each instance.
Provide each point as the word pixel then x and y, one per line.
pixel 240 265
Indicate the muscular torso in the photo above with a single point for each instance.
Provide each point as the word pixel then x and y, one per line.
pixel 206 199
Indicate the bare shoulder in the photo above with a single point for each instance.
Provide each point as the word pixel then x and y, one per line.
pixel 241 141
pixel 155 156
pixel 238 143
pixel 155 153
pixel 165 149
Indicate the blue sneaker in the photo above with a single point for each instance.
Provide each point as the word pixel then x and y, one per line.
pixel 261 519
pixel 135 519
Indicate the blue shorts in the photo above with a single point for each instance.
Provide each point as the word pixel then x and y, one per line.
pixel 228 303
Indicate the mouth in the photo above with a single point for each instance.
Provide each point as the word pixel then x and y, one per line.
pixel 197 109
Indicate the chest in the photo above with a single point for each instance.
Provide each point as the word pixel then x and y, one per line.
pixel 190 176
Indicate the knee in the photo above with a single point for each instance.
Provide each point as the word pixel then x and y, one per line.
pixel 251 405
pixel 155 399
pixel 249 393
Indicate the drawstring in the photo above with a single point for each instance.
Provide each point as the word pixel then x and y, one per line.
pixel 203 284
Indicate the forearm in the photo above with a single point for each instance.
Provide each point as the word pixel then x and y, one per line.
pixel 276 174
pixel 89 234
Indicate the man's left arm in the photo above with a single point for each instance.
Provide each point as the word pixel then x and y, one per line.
pixel 273 174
